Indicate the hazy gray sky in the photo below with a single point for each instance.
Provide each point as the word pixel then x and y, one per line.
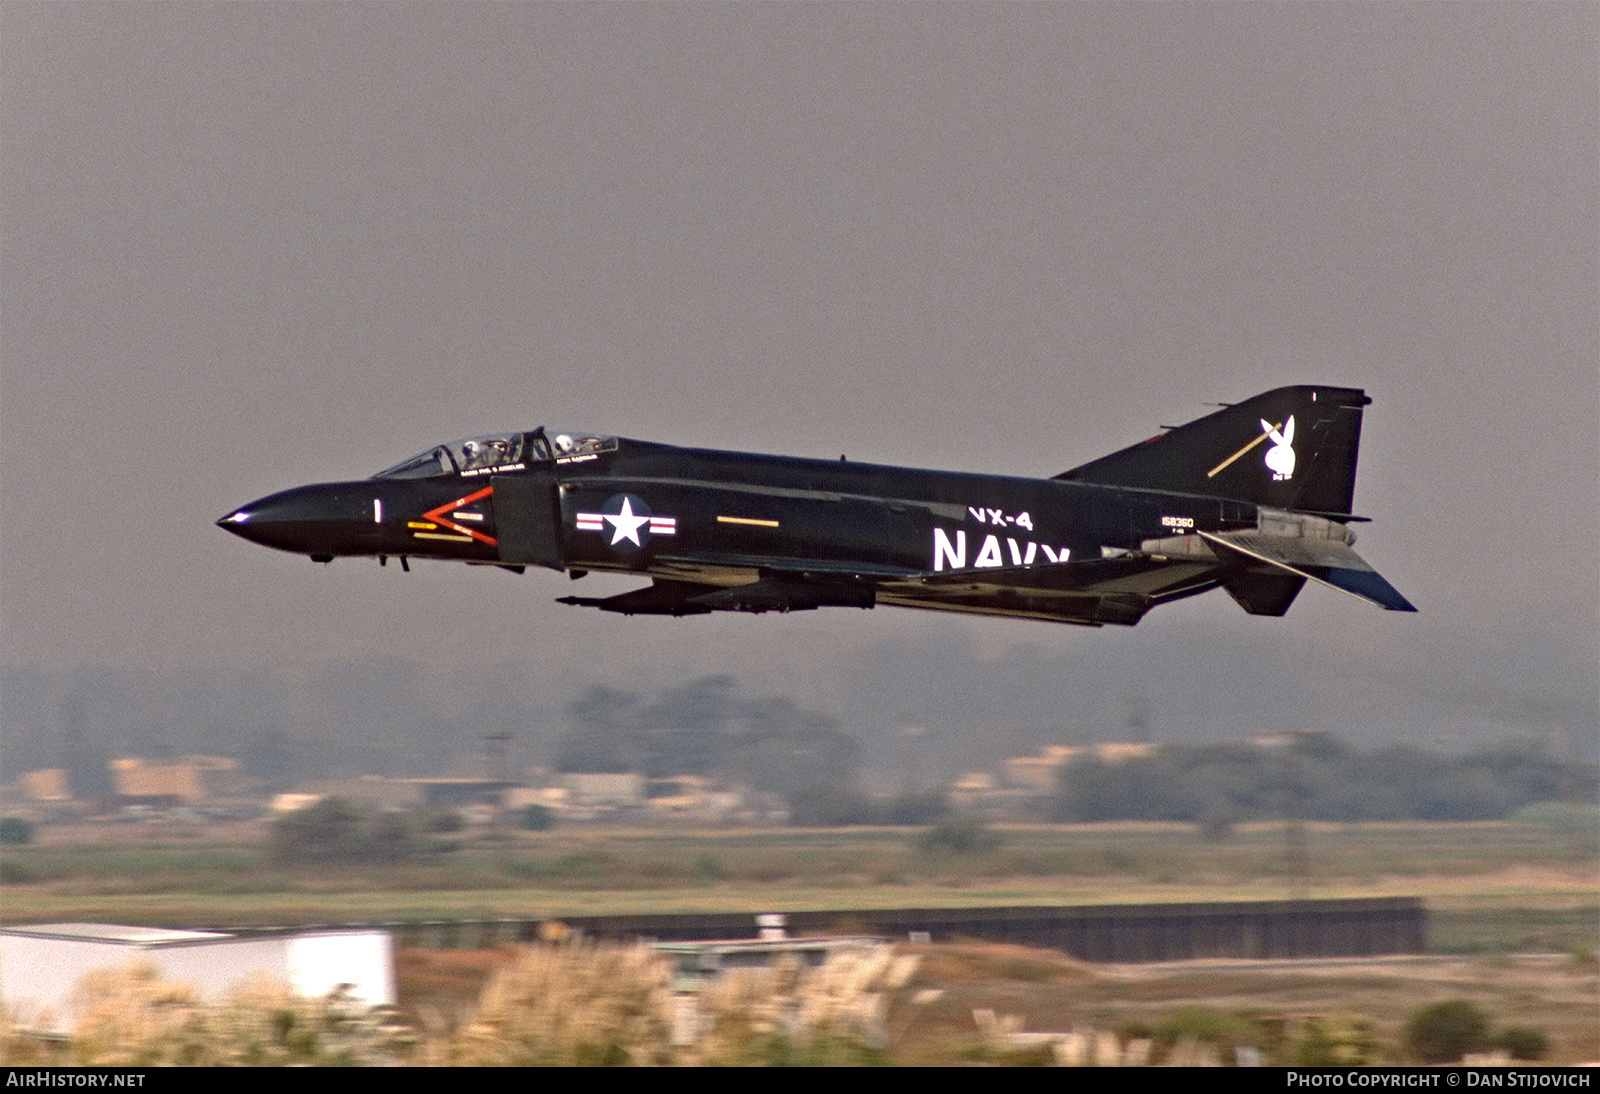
pixel 248 246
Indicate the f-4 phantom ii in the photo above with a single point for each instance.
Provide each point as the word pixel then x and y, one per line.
pixel 1254 499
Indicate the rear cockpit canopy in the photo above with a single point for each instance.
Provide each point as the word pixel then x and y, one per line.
pixel 500 452
pixel 574 446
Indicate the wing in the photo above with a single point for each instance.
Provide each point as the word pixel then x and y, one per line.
pixel 774 591
pixel 1089 593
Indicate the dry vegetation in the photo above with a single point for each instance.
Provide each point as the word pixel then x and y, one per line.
pixel 567 1004
pixel 1272 1001
pixel 574 1003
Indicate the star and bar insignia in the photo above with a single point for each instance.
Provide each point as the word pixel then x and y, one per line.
pixel 628 521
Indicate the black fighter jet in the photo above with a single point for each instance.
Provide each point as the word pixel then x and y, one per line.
pixel 1254 499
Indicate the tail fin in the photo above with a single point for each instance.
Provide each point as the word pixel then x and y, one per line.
pixel 1293 448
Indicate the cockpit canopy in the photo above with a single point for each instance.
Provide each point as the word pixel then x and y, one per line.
pixel 501 452
pixel 572 446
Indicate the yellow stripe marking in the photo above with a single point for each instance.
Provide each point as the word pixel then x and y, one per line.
pixel 1213 472
pixel 420 524
pixel 752 521
pixel 435 535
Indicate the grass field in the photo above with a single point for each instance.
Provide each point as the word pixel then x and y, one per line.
pixel 1490 887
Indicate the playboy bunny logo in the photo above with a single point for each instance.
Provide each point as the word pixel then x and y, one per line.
pixel 1280 457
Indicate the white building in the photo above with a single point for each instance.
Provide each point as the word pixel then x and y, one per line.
pixel 41 967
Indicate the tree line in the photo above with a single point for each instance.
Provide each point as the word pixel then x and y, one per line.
pixel 1317 776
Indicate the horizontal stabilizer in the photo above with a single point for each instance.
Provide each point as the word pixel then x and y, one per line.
pixel 1328 561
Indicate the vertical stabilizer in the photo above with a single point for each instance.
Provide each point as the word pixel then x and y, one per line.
pixel 1293 448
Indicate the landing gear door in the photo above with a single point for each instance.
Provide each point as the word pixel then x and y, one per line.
pixel 526 517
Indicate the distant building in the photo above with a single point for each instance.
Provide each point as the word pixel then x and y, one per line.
pixel 1116 752
pixel 1039 773
pixel 293 802
pixel 696 798
pixel 551 797
pixel 588 790
pixel 980 792
pixel 49 784
pixel 188 780
pixel 370 790
pixel 398 794
pixel 1025 780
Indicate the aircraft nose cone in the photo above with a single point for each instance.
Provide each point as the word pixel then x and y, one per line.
pixel 239 522
pixel 322 520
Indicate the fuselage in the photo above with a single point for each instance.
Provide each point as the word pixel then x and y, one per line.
pixel 735 508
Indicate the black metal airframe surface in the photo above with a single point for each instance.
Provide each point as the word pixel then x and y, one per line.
pixel 1254 499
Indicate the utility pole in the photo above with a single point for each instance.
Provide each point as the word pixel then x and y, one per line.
pixel 1297 859
pixel 495 752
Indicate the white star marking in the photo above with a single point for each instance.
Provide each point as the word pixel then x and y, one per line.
pixel 626 524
